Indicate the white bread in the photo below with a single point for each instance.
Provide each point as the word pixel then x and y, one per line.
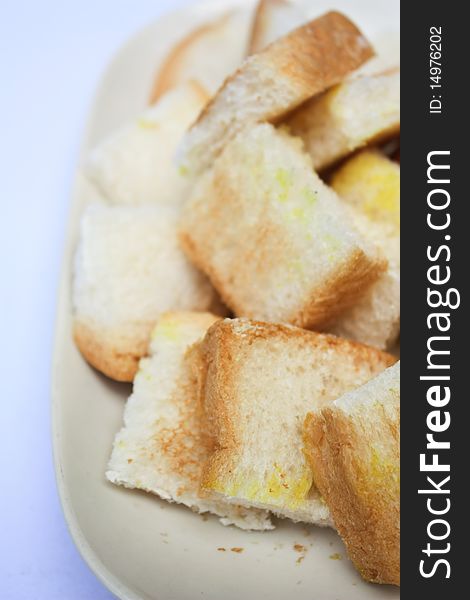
pixel 275 241
pixel 387 54
pixel 207 54
pixel 164 442
pixel 128 270
pixel 135 165
pixel 370 182
pixel 272 20
pixel 273 82
pixel 347 117
pixel 261 379
pixel 353 446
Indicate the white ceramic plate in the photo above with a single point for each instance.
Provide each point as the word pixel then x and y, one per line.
pixel 141 547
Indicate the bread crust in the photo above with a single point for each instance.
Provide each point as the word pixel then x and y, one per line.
pixel 338 294
pixel 291 70
pixel 313 57
pixel 167 76
pixel 312 122
pixel 365 510
pixel 218 380
pixel 346 287
pixel 104 354
pixel 259 22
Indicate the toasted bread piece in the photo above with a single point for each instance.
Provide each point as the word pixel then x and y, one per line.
pixel 129 269
pixel 272 20
pixel 276 242
pixel 347 117
pixel 261 379
pixel 353 446
pixel 370 182
pixel 164 443
pixel 208 54
pixel 387 54
pixel 135 165
pixel 273 82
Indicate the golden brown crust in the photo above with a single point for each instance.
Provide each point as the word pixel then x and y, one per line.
pixel 220 349
pixel 167 76
pixel 345 288
pixel 360 488
pixel 337 295
pixel 219 410
pixel 331 45
pixel 187 443
pixel 105 356
pixel 313 58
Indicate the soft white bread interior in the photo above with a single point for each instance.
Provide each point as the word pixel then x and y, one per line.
pixel 347 117
pixel 164 441
pixel 207 54
pixel 370 182
pixel 276 242
pixel 135 164
pixel 387 54
pixel 353 446
pixel 273 82
pixel 261 379
pixel 272 20
pixel 129 269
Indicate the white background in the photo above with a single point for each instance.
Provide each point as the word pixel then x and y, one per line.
pixel 52 53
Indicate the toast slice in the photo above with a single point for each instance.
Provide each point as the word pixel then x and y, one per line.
pixel 135 164
pixel 207 54
pixel 261 379
pixel 353 446
pixel 370 182
pixel 164 442
pixel 276 242
pixel 347 117
pixel 273 82
pixel 272 20
pixel 129 269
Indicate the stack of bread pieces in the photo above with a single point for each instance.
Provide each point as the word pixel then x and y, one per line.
pixel 242 269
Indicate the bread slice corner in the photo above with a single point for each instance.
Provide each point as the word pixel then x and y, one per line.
pixel 260 381
pixel 353 447
pixel 350 115
pixel 273 82
pixel 129 269
pixel 276 242
pixel 164 440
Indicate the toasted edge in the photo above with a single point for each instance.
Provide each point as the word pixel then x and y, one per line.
pixel 341 292
pixel 312 58
pixel 164 79
pixel 295 122
pixel 219 374
pixel 369 531
pixel 338 294
pixel 305 55
pixel 103 354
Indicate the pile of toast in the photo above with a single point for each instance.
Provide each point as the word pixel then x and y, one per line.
pixel 243 271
